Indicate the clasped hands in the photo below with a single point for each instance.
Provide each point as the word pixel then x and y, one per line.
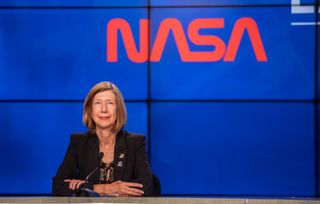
pixel 118 188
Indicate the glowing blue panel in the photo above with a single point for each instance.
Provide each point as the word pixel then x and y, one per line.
pixel 35 138
pixel 287 73
pixel 228 2
pixel 72 3
pixel 58 54
pixel 234 148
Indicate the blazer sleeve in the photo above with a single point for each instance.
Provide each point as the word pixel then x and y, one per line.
pixel 67 170
pixel 142 171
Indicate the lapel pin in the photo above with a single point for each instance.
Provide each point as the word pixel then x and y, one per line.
pixel 121 156
pixel 120 163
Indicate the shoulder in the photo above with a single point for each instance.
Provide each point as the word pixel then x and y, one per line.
pixel 133 138
pixel 79 138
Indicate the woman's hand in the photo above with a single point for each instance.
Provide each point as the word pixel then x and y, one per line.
pixel 126 188
pixel 120 188
pixel 74 183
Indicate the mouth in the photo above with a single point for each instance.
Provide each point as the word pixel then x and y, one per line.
pixel 104 118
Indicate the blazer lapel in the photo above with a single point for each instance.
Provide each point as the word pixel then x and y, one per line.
pixel 94 154
pixel 120 156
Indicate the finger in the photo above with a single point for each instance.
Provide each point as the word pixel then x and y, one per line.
pixel 127 193
pixel 131 192
pixel 137 191
pixel 76 184
pixel 67 180
pixel 72 184
pixel 134 191
pixel 137 185
pixel 79 183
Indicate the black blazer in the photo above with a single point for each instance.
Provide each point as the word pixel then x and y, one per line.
pixel 130 160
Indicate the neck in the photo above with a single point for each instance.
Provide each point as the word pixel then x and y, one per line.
pixel 106 137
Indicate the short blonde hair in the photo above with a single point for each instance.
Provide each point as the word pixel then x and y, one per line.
pixel 121 113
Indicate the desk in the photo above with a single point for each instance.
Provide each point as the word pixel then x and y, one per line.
pixel 159 200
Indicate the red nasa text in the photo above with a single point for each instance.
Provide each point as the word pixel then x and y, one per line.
pixel 226 52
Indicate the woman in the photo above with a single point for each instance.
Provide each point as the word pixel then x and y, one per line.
pixel 123 168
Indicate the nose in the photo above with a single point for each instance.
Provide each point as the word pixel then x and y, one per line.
pixel 104 108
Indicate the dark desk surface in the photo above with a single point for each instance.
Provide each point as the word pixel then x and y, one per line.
pixel 160 200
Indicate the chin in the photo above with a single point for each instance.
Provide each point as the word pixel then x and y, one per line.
pixel 104 126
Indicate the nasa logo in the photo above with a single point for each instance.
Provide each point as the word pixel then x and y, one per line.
pixel 222 51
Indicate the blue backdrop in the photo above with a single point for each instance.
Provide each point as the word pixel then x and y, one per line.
pixel 243 127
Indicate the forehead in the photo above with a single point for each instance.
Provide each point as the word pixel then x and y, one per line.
pixel 105 95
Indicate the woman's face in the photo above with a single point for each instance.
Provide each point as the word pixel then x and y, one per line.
pixel 104 110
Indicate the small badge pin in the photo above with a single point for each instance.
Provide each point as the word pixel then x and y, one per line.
pixel 121 156
pixel 120 163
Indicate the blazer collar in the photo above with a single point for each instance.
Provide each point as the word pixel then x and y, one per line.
pixel 120 155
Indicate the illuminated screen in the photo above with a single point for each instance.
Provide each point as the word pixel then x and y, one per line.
pixel 227 148
pixel 73 3
pixel 60 54
pixel 226 92
pixel 226 2
pixel 245 77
